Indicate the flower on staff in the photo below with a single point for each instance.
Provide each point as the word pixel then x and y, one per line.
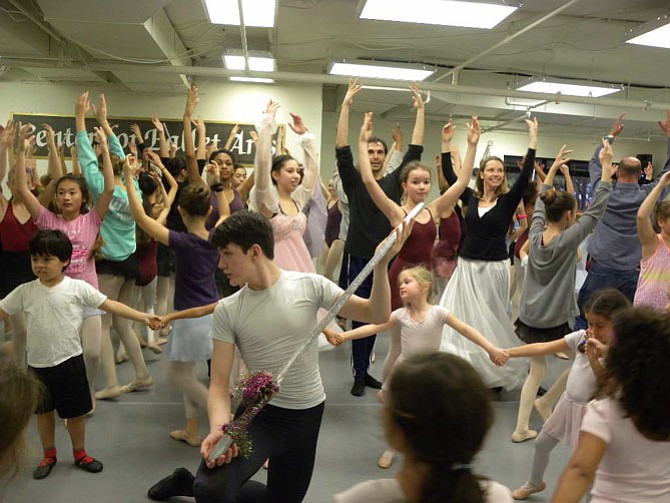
pixel 256 387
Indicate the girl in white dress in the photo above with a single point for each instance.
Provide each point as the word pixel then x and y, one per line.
pixel 625 436
pixel 563 425
pixel 415 328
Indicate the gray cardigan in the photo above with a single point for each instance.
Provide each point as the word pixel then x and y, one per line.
pixel 548 298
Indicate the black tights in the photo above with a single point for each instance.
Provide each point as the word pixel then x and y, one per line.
pixel 284 436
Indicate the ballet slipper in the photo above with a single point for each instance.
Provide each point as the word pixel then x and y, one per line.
pixel 121 358
pixel 527 489
pixel 386 459
pixel 543 411
pixel 155 348
pixel 93 403
pixel 266 464
pixel 184 436
pixel 561 356
pixel 165 331
pixel 161 340
pixel 109 392
pixel 139 383
pixel 522 436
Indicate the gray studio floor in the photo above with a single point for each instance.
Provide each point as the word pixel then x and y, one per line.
pixel 130 436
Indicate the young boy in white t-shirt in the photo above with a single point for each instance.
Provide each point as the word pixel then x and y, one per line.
pixel 54 304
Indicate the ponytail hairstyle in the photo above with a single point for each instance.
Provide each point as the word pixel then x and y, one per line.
pixel 278 163
pixel 637 372
pixel 479 182
pixel 442 408
pixel 557 203
pixel 195 199
pixel 117 164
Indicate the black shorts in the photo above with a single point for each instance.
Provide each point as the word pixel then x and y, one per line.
pixel 165 261
pixel 128 268
pixel 67 389
pixel 530 335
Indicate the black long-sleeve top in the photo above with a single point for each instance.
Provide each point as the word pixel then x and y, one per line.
pixel 485 237
pixel 368 226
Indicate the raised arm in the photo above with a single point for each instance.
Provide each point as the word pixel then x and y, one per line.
pixel 163 149
pixel 101 116
pixel 53 169
pixel 230 141
pixel 169 196
pixel 569 186
pixel 7 136
pixel 262 196
pixel 515 193
pixel 419 124
pixel 192 100
pixel 561 158
pixel 645 230
pixel 312 169
pixel 29 199
pixel 102 204
pixel 201 129
pixel 595 169
pixel 388 207
pixel 76 168
pixel 157 231
pixel 447 200
pixel 342 139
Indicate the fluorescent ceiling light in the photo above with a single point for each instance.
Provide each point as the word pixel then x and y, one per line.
pixel 259 64
pixel 234 62
pixel 256 12
pixel 251 79
pixel 659 37
pixel 568 89
pixel 440 12
pixel 256 63
pixel 379 72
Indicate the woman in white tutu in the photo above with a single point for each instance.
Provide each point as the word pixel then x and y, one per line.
pixel 478 292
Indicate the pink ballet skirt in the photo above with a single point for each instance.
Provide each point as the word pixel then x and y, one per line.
pixel 291 254
pixel 566 421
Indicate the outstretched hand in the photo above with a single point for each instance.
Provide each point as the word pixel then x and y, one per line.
pixel 271 108
pixel 155 120
pixel 101 111
pixel 474 131
pixel 417 99
pixel 533 127
pixel 366 128
pixel 298 126
pixel 448 131
pixel 82 105
pixel 606 153
pixel 192 100
pixel 499 356
pixel 617 125
pixel 334 338
pixel 8 134
pixel 562 157
pixel 354 87
pixel 401 233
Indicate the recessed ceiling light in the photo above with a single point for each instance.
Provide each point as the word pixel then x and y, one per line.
pixel 251 79
pixel 259 13
pixel 656 37
pixel 256 63
pixel 570 89
pixel 440 12
pixel 379 72
pixel 234 62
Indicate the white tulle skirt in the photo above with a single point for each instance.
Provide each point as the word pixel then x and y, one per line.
pixel 478 294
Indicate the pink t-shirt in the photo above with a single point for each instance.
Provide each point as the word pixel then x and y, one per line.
pixel 634 469
pixel 82 231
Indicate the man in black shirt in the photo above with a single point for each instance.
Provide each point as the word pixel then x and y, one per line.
pixel 368 226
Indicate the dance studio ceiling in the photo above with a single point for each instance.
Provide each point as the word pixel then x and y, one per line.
pixel 154 47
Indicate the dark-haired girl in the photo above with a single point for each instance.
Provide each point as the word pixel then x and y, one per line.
pixel 81 225
pixel 235 196
pixel 279 195
pixel 625 435
pixel 548 308
pixel 427 390
pixel 564 423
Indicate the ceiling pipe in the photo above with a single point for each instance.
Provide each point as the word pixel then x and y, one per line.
pixel 38 22
pixel 313 78
pixel 243 35
pixel 507 40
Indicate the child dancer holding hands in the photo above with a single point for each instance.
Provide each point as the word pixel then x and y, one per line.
pixel 54 305
pixel 563 425
pixel 625 435
pixel 416 328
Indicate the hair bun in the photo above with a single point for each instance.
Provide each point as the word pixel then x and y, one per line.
pixel 548 196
